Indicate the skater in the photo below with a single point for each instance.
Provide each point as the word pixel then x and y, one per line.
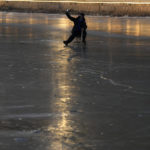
pixel 79 28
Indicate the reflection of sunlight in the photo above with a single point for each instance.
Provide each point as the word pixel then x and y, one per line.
pixel 63 23
pixel 63 122
pixel 60 127
pixel 137 28
pixel 109 26
pixel 30 20
pixel 128 26
pixel 133 29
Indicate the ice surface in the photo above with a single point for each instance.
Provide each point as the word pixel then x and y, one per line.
pixel 80 97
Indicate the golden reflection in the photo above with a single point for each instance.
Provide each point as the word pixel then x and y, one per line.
pixel 128 26
pixel 134 29
pixel 61 126
pixel 30 20
pixel 64 23
pixel 128 30
pixel 137 28
pixel 109 27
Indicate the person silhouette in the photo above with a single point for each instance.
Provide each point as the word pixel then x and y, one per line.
pixel 79 28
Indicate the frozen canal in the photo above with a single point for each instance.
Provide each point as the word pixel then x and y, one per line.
pixel 93 97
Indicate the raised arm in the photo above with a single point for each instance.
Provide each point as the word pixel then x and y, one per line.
pixel 69 16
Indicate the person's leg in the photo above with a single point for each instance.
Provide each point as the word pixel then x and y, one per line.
pixel 70 39
pixel 84 36
pixel 78 37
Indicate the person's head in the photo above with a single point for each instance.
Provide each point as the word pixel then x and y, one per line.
pixel 81 16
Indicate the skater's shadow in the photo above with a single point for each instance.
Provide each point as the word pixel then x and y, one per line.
pixel 79 50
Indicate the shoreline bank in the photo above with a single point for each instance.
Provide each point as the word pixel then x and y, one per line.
pixel 95 8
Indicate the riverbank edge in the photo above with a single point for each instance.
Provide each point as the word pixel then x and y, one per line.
pixel 110 9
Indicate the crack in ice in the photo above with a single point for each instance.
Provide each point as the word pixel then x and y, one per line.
pixel 115 83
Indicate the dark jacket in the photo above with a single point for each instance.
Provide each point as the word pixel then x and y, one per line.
pixel 79 26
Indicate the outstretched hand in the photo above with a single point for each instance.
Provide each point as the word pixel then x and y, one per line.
pixel 68 10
